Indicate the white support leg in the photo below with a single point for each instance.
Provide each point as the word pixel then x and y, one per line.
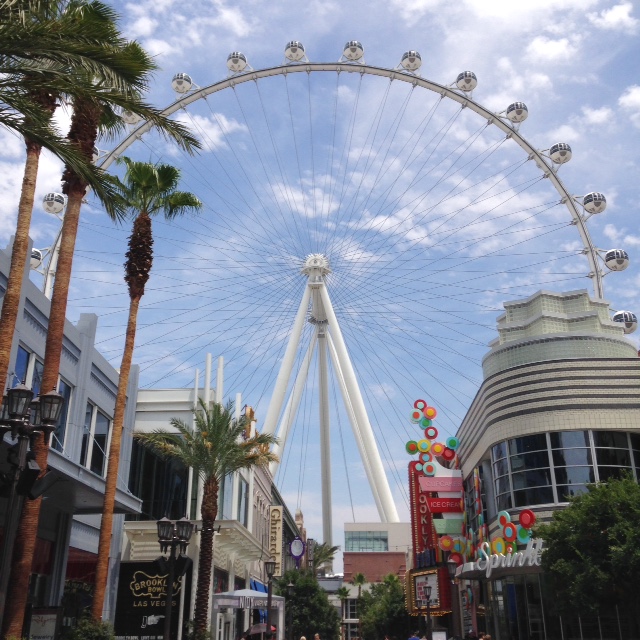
pixel 388 511
pixel 325 432
pixel 291 410
pixel 277 399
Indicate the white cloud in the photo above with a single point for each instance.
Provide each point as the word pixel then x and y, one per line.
pixel 618 18
pixel 597 117
pixel 630 102
pixel 543 49
pixel 212 131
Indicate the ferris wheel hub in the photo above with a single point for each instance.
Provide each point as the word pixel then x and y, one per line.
pixel 316 264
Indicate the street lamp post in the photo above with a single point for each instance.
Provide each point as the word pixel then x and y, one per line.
pixel 270 569
pixel 25 419
pixel 452 567
pixel 290 591
pixel 428 594
pixel 172 536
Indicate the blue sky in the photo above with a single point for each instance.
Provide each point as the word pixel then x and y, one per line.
pixel 431 219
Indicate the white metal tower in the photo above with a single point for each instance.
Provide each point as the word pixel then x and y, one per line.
pixel 327 337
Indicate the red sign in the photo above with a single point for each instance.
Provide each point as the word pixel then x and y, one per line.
pixel 444 505
pixel 435 483
pixel 422 530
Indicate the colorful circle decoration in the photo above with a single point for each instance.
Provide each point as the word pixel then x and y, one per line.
pixel 504 517
pixel 430 412
pixel 412 446
pixel 424 445
pixel 453 443
pixel 431 432
pixel 425 422
pixel 510 532
pixel 425 456
pixel 524 535
pixel 459 545
pixel 457 558
pixel 429 469
pixel 527 518
pixel 511 548
pixel 498 545
pixel 480 519
pixel 420 404
pixel 448 454
pixel 437 448
pixel 416 415
pixel 445 543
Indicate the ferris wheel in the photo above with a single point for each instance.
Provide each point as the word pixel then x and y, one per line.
pixel 363 227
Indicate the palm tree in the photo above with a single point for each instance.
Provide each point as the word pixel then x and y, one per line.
pixel 34 73
pixel 215 448
pixel 322 554
pixel 93 112
pixel 343 596
pixel 359 580
pixel 147 190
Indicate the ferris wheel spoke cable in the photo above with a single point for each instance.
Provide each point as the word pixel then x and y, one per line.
pixel 330 157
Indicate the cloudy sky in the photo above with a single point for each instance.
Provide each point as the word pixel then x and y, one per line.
pixel 430 218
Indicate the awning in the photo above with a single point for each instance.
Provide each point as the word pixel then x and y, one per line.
pixel 246 599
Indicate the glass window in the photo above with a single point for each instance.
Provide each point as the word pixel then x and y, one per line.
pixel 226 513
pixel 540 495
pixel 535 478
pixel 243 502
pixel 635 440
pixel 502 485
pixel 499 451
pixel 20 370
pixel 36 381
pixel 574 475
pixel 501 467
pixel 569 491
pixel 100 437
pixel 606 473
pixel 526 444
pixel 610 439
pixel 530 460
pixel 366 541
pixel 568 439
pixel 64 390
pixel 504 502
pixel 618 457
pixel 86 434
pixel 571 457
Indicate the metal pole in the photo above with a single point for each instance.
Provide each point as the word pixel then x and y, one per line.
pixel 455 609
pixel 269 587
pixel 168 605
pixel 429 635
pixel 14 509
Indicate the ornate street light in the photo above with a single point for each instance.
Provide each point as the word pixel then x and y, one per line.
pixel 270 569
pixel 23 417
pixel 172 536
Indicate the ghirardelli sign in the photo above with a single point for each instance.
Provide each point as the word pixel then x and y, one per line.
pixel 275 537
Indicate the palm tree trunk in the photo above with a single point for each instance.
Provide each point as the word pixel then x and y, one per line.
pixel 209 512
pixel 106 524
pixel 11 301
pixel 28 527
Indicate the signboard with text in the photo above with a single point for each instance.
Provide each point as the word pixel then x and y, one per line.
pixel 444 505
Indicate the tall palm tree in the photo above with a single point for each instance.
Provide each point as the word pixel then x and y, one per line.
pixel 215 448
pixel 147 190
pixel 322 554
pixel 93 112
pixel 343 596
pixel 359 580
pixel 35 73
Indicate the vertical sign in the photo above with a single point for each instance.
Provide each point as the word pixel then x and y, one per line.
pixel 422 532
pixel 275 538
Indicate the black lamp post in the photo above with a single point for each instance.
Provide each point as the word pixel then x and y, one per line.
pixel 24 418
pixel 291 589
pixel 427 590
pixel 270 569
pixel 172 536
pixel 452 567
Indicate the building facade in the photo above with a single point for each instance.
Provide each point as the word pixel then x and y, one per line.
pixel 63 570
pixel 559 407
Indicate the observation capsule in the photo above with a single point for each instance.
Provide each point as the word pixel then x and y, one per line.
pixel 466 81
pixel 353 50
pixel 53 202
pixel 129 117
pixel 182 82
pixel 411 61
pixel 594 202
pixel 627 319
pixel 517 112
pixel 560 153
pixel 236 62
pixel 616 259
pixel 294 51
pixel 36 258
